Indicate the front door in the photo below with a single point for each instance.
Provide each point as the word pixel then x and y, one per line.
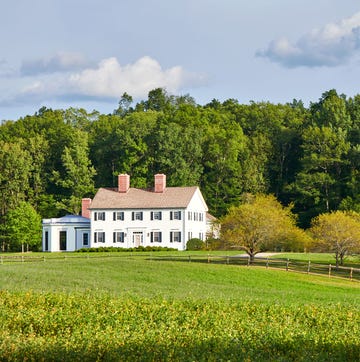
pixel 137 238
pixel 62 239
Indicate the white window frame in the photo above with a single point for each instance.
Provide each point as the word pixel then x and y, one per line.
pixel 99 237
pixel 156 237
pixel 118 237
pixel 156 215
pixel 118 215
pixel 175 236
pixel 99 216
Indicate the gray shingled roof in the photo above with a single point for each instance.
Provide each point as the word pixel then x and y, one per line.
pixel 172 197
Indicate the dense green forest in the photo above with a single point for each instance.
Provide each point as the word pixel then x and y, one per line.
pixel 306 156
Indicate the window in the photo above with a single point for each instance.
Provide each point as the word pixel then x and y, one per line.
pixel 189 235
pixel 201 236
pixel 175 215
pixel 46 240
pixel 189 215
pixel 85 239
pixel 99 237
pixel 155 237
pixel 118 237
pixel 118 215
pixel 99 216
pixel 137 215
pixel 201 216
pixel 196 216
pixel 156 215
pixel 62 238
pixel 175 236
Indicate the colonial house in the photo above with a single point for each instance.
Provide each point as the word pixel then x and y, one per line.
pixel 128 217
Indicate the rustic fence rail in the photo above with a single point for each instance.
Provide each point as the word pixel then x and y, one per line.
pixel 242 260
pixel 273 263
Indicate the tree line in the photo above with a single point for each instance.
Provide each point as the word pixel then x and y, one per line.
pixel 307 157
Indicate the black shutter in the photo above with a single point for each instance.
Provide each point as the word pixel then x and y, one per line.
pixel 151 237
pixel 95 237
pixel 95 216
pixel 160 235
pixel 171 236
pixel 114 216
pixel 171 215
pixel 179 236
pixel 160 215
pixel 152 215
pixel 133 215
pixel 114 237
pixel 141 215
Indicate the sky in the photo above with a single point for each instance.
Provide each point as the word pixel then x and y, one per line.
pixel 87 53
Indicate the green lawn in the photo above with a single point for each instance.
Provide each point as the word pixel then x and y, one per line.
pixel 136 308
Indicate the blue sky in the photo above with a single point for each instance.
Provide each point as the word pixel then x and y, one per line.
pixel 87 53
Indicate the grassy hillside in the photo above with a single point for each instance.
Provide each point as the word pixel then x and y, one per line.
pixel 136 309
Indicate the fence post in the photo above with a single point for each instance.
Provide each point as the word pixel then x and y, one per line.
pixel 329 270
pixel 22 258
pixel 309 267
pixel 287 265
pixel 267 262
pixel 189 258
pixel 208 258
pixel 227 259
pixel 248 263
pixel 351 273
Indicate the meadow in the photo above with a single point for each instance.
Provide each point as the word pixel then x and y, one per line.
pixel 137 308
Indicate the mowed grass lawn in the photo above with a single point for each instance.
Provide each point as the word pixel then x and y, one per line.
pixel 132 308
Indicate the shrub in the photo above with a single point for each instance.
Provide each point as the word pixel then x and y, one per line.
pixel 108 249
pixel 194 244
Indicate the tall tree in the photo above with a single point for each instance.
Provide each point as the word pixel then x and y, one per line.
pixel 223 147
pixel 178 153
pixel 317 184
pixel 78 174
pixel 124 105
pixel 15 168
pixel 23 227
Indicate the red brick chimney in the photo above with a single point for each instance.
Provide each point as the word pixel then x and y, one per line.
pixel 123 183
pixel 85 204
pixel 160 182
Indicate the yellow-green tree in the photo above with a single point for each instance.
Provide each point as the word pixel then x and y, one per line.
pixel 23 227
pixel 337 232
pixel 260 224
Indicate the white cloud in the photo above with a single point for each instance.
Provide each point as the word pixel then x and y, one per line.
pixel 109 80
pixel 332 45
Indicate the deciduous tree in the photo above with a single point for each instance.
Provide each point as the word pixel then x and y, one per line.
pixel 23 227
pixel 337 232
pixel 260 224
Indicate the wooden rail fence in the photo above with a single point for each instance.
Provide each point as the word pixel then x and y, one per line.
pixel 308 267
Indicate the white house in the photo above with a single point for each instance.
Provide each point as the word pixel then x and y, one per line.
pixel 130 217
